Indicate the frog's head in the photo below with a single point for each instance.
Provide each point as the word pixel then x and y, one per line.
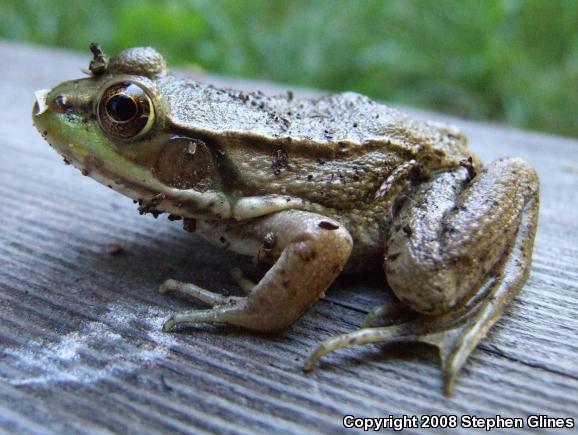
pixel 114 127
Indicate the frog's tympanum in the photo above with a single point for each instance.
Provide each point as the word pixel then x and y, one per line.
pixel 313 187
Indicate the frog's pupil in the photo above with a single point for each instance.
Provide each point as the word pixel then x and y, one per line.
pixel 121 107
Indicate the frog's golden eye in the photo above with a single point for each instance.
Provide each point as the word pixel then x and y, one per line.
pixel 125 111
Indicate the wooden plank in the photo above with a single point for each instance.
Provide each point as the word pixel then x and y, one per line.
pixel 81 347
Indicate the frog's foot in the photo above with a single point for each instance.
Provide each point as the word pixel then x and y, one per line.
pixel 226 310
pixel 221 305
pixel 207 296
pixel 454 334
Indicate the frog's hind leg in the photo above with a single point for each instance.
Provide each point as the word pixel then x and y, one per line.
pixel 459 254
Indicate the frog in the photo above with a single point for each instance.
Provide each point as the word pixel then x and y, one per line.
pixel 310 188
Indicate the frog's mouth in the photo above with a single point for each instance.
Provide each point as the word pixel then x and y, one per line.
pixel 80 142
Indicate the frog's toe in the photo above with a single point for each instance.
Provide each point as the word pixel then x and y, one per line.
pixel 185 317
pixel 192 290
pixel 191 317
pixel 406 332
pixel 166 286
pixel 169 323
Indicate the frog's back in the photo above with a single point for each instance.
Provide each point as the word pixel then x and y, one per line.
pixel 335 151
pixel 330 122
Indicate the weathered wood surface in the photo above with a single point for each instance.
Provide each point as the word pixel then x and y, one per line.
pixel 80 343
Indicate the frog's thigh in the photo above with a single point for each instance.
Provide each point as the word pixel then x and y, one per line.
pixel 310 251
pixel 454 234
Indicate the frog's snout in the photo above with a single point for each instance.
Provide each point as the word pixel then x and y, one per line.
pixel 61 100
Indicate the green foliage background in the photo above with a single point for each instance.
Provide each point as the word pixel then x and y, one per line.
pixel 507 60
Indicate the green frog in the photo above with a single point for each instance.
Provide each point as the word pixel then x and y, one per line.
pixel 311 188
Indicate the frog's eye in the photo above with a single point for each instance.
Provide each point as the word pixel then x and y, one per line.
pixel 125 111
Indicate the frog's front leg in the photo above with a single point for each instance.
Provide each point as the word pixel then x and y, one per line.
pixel 308 251
pixel 459 252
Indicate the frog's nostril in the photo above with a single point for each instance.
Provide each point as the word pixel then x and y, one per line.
pixel 62 103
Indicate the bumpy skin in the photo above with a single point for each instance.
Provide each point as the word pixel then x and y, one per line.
pixel 313 187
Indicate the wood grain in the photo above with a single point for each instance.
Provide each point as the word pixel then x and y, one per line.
pixel 81 349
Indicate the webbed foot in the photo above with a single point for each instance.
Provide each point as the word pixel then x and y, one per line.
pixel 454 342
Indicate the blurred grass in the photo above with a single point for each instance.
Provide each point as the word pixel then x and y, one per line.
pixel 508 60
